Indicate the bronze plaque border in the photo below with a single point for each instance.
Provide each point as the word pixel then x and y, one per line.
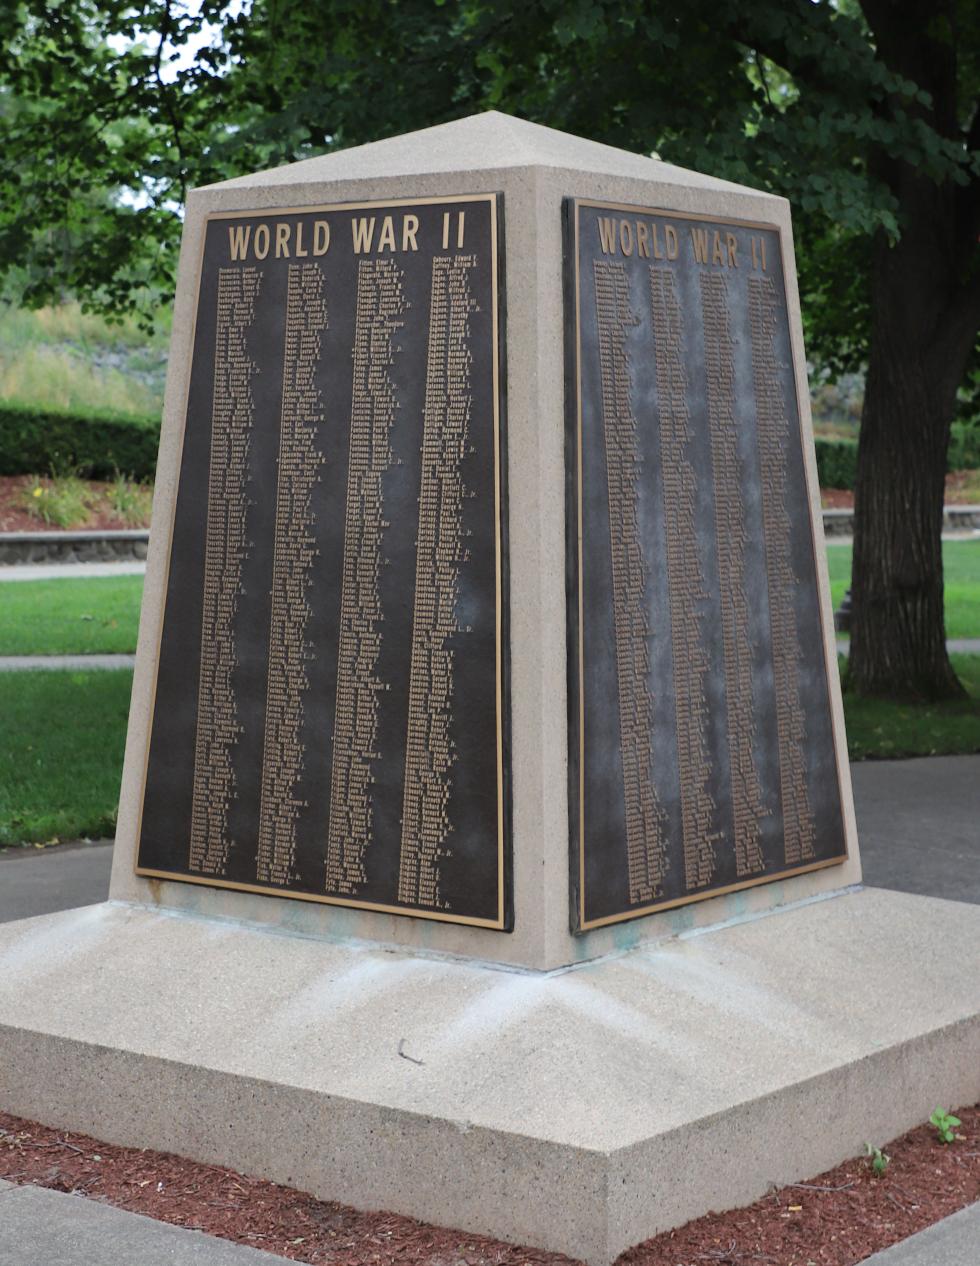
pixel 575 613
pixel 505 896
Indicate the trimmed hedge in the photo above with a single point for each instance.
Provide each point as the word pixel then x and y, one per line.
pixel 964 447
pixel 35 441
pixel 836 463
pixel 837 459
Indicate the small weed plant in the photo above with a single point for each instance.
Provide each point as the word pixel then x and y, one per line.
pixel 945 1124
pixel 61 501
pixel 131 501
pixel 878 1159
pixel 64 500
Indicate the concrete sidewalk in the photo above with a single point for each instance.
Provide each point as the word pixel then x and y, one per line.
pixel 49 1228
pixel 39 881
pixel 963 645
pixel 64 663
pixel 69 571
pixel 955 645
pixel 918 827
pixel 953 1242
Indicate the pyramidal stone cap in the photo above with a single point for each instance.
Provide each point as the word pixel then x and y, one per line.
pixel 479 142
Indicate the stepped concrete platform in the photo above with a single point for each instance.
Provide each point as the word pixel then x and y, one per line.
pixel 580 1110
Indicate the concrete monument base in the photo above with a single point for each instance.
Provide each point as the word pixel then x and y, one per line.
pixel 581 1110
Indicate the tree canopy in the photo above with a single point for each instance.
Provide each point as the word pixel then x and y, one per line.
pixel 106 120
pixel 863 114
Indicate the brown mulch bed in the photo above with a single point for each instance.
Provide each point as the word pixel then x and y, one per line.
pixel 837 1219
pixel 837 498
pixel 14 518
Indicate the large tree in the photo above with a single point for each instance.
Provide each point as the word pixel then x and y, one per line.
pixel 865 116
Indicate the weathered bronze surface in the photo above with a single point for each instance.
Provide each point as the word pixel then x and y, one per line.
pixel 701 748
pixel 330 704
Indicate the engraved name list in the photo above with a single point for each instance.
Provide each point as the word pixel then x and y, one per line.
pixel 329 718
pixel 702 756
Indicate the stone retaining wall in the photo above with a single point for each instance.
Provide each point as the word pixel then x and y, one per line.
pixel 72 547
pixel 955 519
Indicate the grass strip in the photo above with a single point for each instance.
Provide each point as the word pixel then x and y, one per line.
pixel 62 737
pixel 63 734
pixel 99 615
pixel 961 570
pixel 880 728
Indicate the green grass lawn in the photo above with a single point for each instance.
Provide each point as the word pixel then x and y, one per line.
pixel 62 737
pixel 62 734
pixel 70 617
pixel 100 616
pixel 880 729
pixel 961 568
pixel 61 748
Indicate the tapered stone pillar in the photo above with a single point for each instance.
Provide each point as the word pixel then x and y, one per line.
pixel 486 850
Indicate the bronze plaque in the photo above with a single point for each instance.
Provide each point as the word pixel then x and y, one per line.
pixel 700 733
pixel 330 701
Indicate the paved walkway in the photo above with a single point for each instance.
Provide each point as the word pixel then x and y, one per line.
pixel 953 1242
pixel 39 881
pixel 79 663
pixel 63 663
pixel 955 645
pixel 919 826
pixel 954 534
pixel 73 571
pixel 49 1228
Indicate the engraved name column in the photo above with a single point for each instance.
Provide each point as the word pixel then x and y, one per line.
pixel 294 549
pixel 731 538
pixel 426 823
pixel 380 304
pixel 687 588
pixel 225 551
pixel 645 846
pixel 774 439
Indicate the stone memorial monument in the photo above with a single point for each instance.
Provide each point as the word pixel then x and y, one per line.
pixel 486 849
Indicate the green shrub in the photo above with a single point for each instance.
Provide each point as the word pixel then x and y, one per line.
pixel 96 445
pixel 837 459
pixel 836 463
pixel 964 447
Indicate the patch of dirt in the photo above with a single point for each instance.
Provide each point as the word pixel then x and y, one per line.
pixel 961 490
pixel 15 518
pixel 837 1219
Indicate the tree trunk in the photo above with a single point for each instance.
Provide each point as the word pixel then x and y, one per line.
pixel 898 638
pixel 925 302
